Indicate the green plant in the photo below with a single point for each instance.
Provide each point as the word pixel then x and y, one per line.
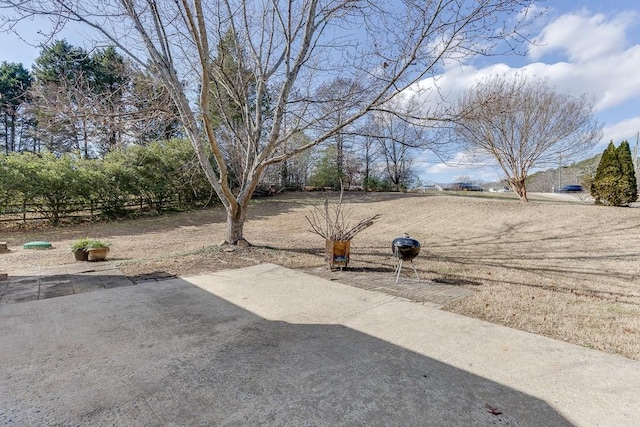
pixel 54 186
pixel 628 182
pixel 614 183
pixel 86 243
pixel 97 244
pixel 80 244
pixel 327 172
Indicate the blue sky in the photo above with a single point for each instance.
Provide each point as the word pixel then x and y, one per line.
pixel 582 46
pixel 589 47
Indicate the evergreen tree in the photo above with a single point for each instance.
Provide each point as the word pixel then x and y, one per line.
pixel 15 81
pixel 615 183
pixel 628 184
pixel 326 172
pixel 97 101
pixel 109 78
pixel 61 61
pixel 62 96
pixel 606 177
pixel 239 105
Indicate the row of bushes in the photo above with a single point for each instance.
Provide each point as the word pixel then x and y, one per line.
pixel 58 186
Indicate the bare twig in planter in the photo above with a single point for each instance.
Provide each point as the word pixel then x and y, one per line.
pixel 359 227
pixel 331 222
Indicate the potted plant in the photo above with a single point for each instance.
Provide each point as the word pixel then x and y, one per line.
pixel 86 249
pixel 79 249
pixel 97 250
pixel 332 223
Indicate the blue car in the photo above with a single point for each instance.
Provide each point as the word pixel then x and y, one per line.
pixel 571 189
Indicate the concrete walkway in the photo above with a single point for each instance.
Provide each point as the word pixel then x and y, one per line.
pixel 270 346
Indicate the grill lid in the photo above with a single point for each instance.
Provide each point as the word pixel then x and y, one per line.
pixel 405 247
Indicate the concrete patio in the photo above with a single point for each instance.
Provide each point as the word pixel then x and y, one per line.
pixel 266 345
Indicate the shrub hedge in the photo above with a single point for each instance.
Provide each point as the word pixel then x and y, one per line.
pixel 58 186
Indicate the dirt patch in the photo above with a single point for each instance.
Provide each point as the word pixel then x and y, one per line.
pixel 563 269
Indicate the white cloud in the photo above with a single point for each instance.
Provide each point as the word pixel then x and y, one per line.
pixel 461 164
pixel 612 79
pixel 579 53
pixel 600 60
pixel 446 88
pixel 531 11
pixel 618 132
pixel 583 37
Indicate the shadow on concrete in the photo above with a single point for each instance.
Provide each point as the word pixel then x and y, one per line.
pixel 170 353
pixel 24 288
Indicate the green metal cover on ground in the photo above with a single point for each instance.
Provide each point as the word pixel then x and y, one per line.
pixel 37 245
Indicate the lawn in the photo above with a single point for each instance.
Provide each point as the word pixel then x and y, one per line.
pixel 560 268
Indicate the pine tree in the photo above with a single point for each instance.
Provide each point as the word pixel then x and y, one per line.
pixel 615 182
pixel 627 183
pixel 15 81
pixel 606 178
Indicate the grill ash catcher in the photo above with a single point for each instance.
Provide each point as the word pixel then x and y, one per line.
pixel 405 249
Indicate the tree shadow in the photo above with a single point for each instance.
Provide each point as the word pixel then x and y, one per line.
pixel 561 254
pixel 32 287
pixel 456 281
pixel 172 353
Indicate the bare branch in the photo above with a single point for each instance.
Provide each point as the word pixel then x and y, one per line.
pixel 523 124
pixel 331 221
pixel 284 51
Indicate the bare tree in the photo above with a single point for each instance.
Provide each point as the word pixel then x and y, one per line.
pixel 368 144
pixel 462 178
pixel 396 142
pixel 78 97
pixel 331 99
pixel 152 114
pixel 293 173
pixel 62 110
pixel 290 48
pixel 524 123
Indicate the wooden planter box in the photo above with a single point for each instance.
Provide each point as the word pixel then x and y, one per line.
pixel 97 254
pixel 337 253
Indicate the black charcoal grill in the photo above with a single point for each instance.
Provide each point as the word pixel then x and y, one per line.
pixel 405 249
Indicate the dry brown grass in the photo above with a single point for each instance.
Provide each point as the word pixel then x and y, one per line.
pixel 565 270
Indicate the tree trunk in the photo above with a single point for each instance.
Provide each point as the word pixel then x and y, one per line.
pixel 6 134
pixel 85 139
pixel 235 224
pixel 13 131
pixel 519 187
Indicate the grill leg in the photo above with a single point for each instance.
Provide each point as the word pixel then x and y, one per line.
pixel 414 270
pixel 398 268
